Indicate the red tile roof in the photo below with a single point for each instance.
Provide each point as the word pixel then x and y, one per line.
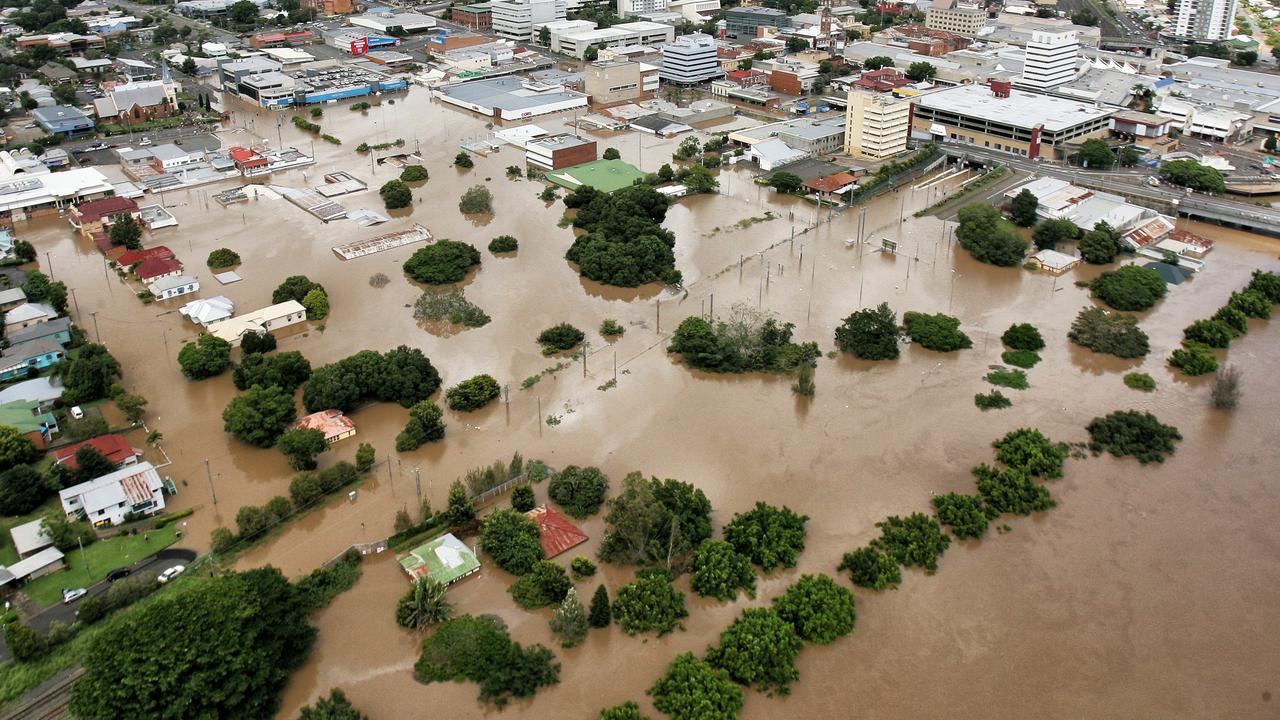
pixel 157 267
pixel 95 210
pixel 137 256
pixel 831 183
pixel 557 532
pixel 330 422
pixel 113 447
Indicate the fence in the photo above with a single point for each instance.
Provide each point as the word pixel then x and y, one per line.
pixel 369 548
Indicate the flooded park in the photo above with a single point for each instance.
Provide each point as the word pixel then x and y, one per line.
pixel 1148 592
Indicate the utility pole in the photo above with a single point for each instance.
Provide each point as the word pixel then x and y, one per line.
pixel 209 474
pixel 87 572
pixel 417 481
pixel 391 479
pixel 75 302
pixel 49 261
pixel 539 416
pixel 659 310
pixel 97 335
pixel 585 345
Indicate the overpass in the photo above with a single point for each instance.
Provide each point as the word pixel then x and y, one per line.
pixel 1255 218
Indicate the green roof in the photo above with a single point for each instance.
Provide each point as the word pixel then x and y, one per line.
pixel 603 175
pixel 445 559
pixel 22 415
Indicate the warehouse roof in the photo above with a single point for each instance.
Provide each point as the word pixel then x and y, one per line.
pixel 1021 109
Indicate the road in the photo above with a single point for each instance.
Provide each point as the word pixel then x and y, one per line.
pixel 1261 219
pixel 155 565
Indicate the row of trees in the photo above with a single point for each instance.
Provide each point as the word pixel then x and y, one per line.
pixel 747 340
pixel 1231 321
pixel 402 375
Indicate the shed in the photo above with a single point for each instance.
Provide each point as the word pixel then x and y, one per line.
pixel 30 538
pixel 42 563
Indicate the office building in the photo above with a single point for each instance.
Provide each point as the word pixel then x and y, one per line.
pixel 478 16
pixel 515 19
pixel 689 60
pixel 559 151
pixel 1050 59
pixel 946 16
pixel 619 81
pixel 877 125
pixel 573 37
pixel 743 22
pixel 628 8
pixel 1014 121
pixel 1204 20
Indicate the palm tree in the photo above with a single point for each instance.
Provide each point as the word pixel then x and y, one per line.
pixel 425 604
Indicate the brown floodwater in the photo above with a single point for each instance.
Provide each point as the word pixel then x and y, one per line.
pixel 1149 591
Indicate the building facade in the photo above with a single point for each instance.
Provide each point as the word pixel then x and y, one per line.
pixel 132 490
pixel 618 81
pixel 877 125
pixel 477 16
pixel 559 151
pixel 1050 59
pixel 1207 20
pixel 689 60
pixel 965 21
pixel 515 19
pixel 743 22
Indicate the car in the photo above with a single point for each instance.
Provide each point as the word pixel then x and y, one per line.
pixel 171 573
pixel 118 574
pixel 69 596
pixel 97 146
pixel 144 142
pixel 29 126
pixel 77 413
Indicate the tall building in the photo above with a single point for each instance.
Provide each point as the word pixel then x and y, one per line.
pixel 1208 20
pixel 876 125
pixel 514 19
pixel 1051 59
pixel 628 8
pixel 947 16
pixel 690 59
pixel 742 22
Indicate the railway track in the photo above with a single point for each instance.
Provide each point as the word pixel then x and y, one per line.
pixel 48 701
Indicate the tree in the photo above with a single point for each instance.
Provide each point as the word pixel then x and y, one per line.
pixel 1269 144
pixel 208 356
pixel 982 234
pixel 561 337
pixel 424 604
pixel 1049 233
pixel 1023 336
pixel 259 415
pixel 785 182
pixel 425 425
pixel 1193 359
pixel 463 160
pixel 625 244
pixel 511 539
pixel 611 154
pixel 580 491
pixel 1253 303
pixel 1246 58
pixel 543 586
pixel 666 173
pixel 317 304
pixel 1010 490
pixel 460 510
pixel 570 620
pixel 1212 333
pixel 473 393
pixel 294 287
pixel 601 614
pixel 256 342
pixel 649 604
pixel 544 36
pixel 522 499
pixel 1095 154
pixel 1130 287
pixel 720 572
pixel 626 711
pixel 699 180
pixel 26 252
pixel 286 370
pixel 914 540
pixel 1110 333
pixel 25 643
pixel 1189 173
pixel 1131 432
pixel 878 62
pixel 91 464
pixel 188 66
pixel 503 244
pixel 395 195
pixel 819 610
pixel 767 536
pixel 870 334
pixel 1099 246
pixel 22 487
pixel 1023 208
pixel 242 633
pixel 940 333
pixel 921 70
pixel 476 200
pixel 442 262
pixel 692 689
pixel 476 649
pixel 243 12
pixel 1266 284
pixel 1084 16
pixel 1128 156
pixel 413 173
pixel 222 258
pixel 88 375
pixel 334 707
pixel 301 446
pixel 57 297
pixel 15 448
pixel 1031 452
pixel 1226 388
pixel 127 232
pixel 759 649
pixel 364 457
pixel 654 521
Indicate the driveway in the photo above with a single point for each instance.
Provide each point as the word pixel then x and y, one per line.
pixel 155 565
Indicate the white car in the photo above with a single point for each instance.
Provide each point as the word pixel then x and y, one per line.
pixel 171 573
pixel 70 596
pixel 77 413
pixel 144 142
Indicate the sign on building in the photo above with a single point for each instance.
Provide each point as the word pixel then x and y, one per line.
pixel 360 46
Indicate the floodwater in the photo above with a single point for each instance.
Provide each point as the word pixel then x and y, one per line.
pixel 1149 591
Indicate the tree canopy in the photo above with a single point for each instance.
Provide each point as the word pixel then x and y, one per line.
pixel 649 604
pixel 692 689
pixel 654 521
pixel 467 648
pixel 402 375
pixel 334 706
pixel 425 424
pixel 259 415
pixel 1111 333
pixel 1099 246
pixel 819 610
pixel 579 490
pixel 964 514
pixel 511 539
pixel 759 649
pixel 1030 451
pixel 545 584
pixel 720 572
pixel 625 244
pixel 914 540
pixel 88 374
pixel 1189 173
pixel 870 334
pixel 1129 287
pixel 745 340
pixel 1049 233
pixel 294 287
pixel 767 535
pixel 442 262
pixel 476 200
pixel 940 333
pixel 1023 208
pixel 473 393
pixel 1023 336
pixel 982 233
pixel 208 356
pixel 1095 154
pixel 395 194
pixel 301 446
pixel 287 370
pixel 921 70
pixel 1132 432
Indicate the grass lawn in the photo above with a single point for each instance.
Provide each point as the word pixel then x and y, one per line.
pixel 101 558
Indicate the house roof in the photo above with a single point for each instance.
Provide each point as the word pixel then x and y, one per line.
pixel 29 311
pixel 831 183
pixel 21 352
pixel 445 559
pixel 23 414
pixel 41 390
pixel 55 71
pixel 137 256
pixel 330 422
pixel 234 328
pixel 12 295
pixel 155 267
pixel 170 282
pixel 40 560
pixel 132 485
pixel 556 532
pixel 208 310
pixel 95 210
pixel 40 330
pixel 143 94
pixel 30 537
pixel 113 447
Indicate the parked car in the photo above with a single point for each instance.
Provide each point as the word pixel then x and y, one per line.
pixel 69 596
pixel 144 142
pixel 76 412
pixel 171 573
pixel 118 574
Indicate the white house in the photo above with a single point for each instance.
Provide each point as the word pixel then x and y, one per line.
pixel 173 286
pixel 209 310
pixel 26 315
pixel 106 500
pixel 268 319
